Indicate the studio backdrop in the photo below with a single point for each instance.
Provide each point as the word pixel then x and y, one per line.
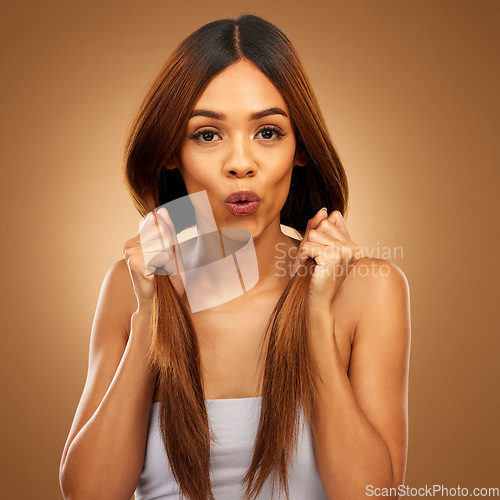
pixel 409 91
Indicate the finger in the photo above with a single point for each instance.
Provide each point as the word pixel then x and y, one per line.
pixel 150 235
pixel 329 228
pixel 162 230
pixel 313 223
pixel 306 250
pixel 145 240
pixel 156 247
pixel 156 254
pixel 154 238
pixel 146 221
pixel 166 222
pixel 151 220
pixel 338 220
pixel 161 263
pixel 317 236
pixel 314 251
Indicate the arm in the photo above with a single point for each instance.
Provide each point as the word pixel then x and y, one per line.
pixel 104 453
pixel 361 419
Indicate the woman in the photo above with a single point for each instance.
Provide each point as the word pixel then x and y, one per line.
pixel 325 343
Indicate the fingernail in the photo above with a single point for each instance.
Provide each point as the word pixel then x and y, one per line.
pixel 324 208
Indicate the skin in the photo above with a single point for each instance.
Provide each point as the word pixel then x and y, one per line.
pixel 241 153
pixel 358 309
pixel 362 351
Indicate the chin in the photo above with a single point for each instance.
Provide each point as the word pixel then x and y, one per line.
pixel 250 223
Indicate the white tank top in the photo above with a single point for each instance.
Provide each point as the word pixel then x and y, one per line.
pixel 234 423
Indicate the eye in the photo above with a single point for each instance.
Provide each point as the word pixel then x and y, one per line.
pixel 268 133
pixel 204 135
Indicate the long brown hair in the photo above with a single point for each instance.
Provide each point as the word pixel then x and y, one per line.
pixel 289 378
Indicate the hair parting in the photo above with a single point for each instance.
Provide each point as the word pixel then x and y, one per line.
pixel 289 379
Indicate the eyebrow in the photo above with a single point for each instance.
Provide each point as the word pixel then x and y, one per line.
pixel 254 116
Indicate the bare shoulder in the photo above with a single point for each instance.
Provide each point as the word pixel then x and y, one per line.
pixel 376 284
pixel 371 272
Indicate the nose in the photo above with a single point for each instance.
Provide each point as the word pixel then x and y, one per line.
pixel 240 162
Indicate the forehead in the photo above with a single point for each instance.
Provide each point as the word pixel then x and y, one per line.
pixel 240 87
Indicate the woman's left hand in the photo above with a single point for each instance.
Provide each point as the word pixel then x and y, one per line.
pixel 327 241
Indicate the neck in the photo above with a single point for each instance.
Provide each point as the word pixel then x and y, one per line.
pixel 275 252
pixel 264 263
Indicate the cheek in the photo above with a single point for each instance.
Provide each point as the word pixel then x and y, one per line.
pixel 279 186
pixel 278 160
pixel 194 170
pixel 281 171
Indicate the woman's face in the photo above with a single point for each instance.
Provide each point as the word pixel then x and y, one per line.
pixel 239 138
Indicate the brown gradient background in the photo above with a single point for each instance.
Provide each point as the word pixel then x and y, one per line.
pixel 409 90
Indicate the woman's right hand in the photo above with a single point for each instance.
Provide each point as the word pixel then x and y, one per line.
pixel 152 251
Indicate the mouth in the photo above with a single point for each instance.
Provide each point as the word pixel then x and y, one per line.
pixel 243 202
